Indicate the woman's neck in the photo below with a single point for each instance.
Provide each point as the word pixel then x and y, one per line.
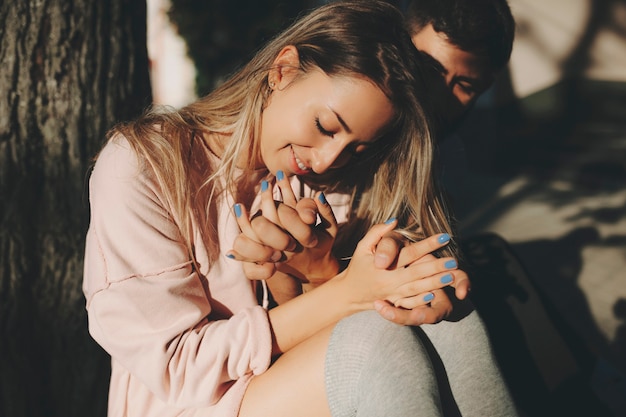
pixel 250 179
pixel 217 143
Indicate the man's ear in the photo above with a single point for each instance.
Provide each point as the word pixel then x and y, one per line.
pixel 285 67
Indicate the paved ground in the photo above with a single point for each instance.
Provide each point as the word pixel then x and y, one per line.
pixel 548 175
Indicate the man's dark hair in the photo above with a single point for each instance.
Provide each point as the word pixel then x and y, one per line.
pixel 482 27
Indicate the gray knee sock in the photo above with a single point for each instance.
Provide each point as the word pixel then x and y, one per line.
pixel 376 368
pixel 470 366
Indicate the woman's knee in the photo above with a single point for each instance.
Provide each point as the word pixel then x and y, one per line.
pixel 372 363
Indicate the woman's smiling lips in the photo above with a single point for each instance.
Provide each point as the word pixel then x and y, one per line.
pixel 298 167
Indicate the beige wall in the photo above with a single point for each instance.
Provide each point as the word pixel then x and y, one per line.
pixel 549 32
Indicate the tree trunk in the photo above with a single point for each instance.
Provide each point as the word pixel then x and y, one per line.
pixel 69 70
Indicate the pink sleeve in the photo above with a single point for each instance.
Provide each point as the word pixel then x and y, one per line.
pixel 147 306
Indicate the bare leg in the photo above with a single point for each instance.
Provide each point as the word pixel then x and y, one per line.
pixel 293 385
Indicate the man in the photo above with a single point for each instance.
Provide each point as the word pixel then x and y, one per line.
pixel 466 43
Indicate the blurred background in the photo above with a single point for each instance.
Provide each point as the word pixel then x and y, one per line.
pixel 535 178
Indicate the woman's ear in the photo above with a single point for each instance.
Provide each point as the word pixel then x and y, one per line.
pixel 284 68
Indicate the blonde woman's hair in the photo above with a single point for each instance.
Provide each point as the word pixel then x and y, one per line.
pixel 363 38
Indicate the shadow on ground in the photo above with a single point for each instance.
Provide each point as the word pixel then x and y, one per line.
pixel 559 147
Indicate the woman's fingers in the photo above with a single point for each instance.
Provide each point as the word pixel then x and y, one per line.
pixel 248 250
pixel 273 235
pixel 367 245
pixel 291 216
pixel 428 276
pixel 293 225
pixel 307 210
pixel 327 216
pixel 288 196
pixel 434 298
pixel 420 252
pixel 255 271
pixel 243 220
pixel 268 205
pixel 414 251
pixel 386 252
pixel 249 247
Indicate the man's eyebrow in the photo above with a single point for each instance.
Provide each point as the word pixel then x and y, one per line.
pixel 430 60
pixel 343 123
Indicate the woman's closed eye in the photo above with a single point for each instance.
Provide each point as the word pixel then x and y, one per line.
pixel 321 129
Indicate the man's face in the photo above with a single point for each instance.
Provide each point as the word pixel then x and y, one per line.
pixel 461 76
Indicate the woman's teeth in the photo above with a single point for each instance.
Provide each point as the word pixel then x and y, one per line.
pixel 300 163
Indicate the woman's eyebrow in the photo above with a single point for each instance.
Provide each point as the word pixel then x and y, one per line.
pixel 342 122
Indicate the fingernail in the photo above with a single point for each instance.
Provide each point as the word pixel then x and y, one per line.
pixel 280 175
pixel 443 238
pixel 429 297
pixel 230 255
pixel 276 256
pixel 446 279
pixel 450 264
pixel 237 208
pixel 393 219
pixel 322 198
pixel 264 185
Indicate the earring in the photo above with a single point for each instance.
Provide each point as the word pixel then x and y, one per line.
pixel 272 84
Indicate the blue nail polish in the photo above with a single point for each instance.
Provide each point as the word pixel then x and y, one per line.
pixel 446 279
pixel 322 198
pixel 264 185
pixel 443 238
pixel 237 210
pixel 280 175
pixel 393 219
pixel 429 297
pixel 230 255
pixel 450 264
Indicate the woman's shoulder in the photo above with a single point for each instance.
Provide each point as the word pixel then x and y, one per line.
pixel 117 155
pixel 118 169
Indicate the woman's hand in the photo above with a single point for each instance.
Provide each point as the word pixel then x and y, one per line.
pixel 428 308
pixel 419 277
pixel 283 236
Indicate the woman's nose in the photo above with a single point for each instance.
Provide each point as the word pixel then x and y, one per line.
pixel 325 156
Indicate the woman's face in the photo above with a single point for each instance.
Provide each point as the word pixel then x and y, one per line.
pixel 315 121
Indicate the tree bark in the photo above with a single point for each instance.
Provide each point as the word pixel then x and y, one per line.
pixel 69 70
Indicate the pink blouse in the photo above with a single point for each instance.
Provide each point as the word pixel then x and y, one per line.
pixel 182 342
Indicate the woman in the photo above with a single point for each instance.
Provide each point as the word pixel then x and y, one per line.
pixel 178 316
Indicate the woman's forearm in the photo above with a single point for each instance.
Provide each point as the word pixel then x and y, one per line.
pixel 303 316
